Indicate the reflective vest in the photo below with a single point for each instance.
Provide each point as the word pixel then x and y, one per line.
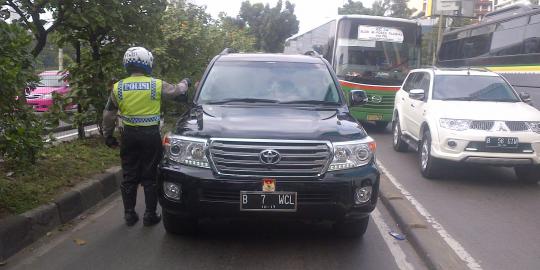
pixel 139 100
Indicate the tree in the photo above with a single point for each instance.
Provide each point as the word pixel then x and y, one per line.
pixel 20 128
pixel 31 15
pixel 352 7
pixel 100 31
pixel 389 8
pixel 269 26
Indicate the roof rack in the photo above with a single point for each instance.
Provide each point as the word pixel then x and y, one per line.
pixel 227 51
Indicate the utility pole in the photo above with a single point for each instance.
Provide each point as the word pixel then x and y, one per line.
pixel 60 59
pixel 442 20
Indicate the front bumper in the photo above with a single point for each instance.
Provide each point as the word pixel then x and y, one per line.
pixel 470 147
pixel 329 198
pixel 40 105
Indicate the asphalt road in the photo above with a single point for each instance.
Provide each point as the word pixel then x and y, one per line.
pixel 495 218
pixel 222 244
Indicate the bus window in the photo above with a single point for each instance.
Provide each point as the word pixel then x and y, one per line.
pixel 476 46
pixel 535 19
pixel 531 43
pixel 507 42
pixel 450 50
pixel 513 23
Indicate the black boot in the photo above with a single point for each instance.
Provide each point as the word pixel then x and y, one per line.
pixel 131 217
pixel 129 198
pixel 150 198
pixel 151 218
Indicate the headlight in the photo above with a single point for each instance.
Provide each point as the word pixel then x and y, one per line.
pixel 186 150
pixel 352 154
pixel 455 124
pixel 46 96
pixel 534 126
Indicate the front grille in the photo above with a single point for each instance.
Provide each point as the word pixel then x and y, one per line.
pixel 387 101
pixel 33 96
pixel 482 125
pixel 517 126
pixel 522 148
pixel 226 195
pixel 242 158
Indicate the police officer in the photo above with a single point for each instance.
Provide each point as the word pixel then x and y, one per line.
pixel 138 98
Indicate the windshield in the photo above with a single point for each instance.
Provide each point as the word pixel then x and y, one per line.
pixel 477 88
pixel 375 52
pixel 269 82
pixel 51 81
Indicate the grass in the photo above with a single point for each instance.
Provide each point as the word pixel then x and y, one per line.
pixel 58 169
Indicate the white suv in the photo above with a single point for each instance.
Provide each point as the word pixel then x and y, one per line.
pixel 466 115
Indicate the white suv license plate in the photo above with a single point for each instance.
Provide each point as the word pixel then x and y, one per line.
pixel 279 201
pixel 502 142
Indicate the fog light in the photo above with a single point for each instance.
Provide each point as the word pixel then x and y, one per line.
pixel 362 195
pixel 452 144
pixel 172 191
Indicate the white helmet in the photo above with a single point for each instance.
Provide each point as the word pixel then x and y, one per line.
pixel 139 57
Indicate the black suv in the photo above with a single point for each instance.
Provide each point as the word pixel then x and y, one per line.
pixel 269 135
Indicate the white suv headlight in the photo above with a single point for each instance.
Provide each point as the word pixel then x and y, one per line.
pixel 352 154
pixel 186 150
pixel 534 126
pixel 455 124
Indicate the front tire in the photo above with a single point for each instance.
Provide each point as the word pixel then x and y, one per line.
pixel 528 174
pixel 179 225
pixel 430 167
pixel 397 142
pixel 352 228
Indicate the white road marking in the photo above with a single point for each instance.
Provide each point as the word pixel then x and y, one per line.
pixel 72 134
pixel 453 243
pixel 395 249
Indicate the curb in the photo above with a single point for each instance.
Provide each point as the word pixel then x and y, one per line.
pixel 425 240
pixel 19 231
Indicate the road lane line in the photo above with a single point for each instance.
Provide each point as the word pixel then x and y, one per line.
pixel 453 243
pixel 395 249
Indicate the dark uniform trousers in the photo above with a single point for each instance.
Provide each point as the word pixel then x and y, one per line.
pixel 141 152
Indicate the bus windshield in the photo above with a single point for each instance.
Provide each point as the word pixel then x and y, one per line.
pixel 378 55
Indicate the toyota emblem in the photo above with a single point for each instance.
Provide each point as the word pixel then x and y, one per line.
pixel 376 99
pixel 269 157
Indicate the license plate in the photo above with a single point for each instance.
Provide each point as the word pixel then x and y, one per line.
pixel 374 117
pixel 502 142
pixel 279 201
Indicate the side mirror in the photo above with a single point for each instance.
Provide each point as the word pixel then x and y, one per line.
pixel 417 94
pixel 358 97
pixel 525 97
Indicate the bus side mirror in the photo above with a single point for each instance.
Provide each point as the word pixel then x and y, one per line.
pixel 358 97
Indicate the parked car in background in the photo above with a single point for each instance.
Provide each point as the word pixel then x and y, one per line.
pixel 41 98
pixel 469 116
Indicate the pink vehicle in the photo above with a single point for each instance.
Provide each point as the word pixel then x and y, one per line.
pixel 50 81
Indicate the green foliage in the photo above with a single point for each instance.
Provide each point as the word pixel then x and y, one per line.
pixel 20 128
pixel 389 8
pixel 58 168
pixel 269 26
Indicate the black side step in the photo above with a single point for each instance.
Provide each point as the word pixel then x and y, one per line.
pixel 414 144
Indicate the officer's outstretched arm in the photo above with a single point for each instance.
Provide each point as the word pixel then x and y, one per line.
pixel 175 91
pixel 109 117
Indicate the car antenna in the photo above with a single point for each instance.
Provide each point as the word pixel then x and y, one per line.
pixel 469 70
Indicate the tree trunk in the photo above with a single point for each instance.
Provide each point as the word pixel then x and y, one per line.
pixel 79 122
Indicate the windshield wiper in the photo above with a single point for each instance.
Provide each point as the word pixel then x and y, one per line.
pixel 316 102
pixel 246 100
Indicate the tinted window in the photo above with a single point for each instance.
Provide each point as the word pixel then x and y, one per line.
pixel 476 46
pixel 483 30
pixel 450 50
pixel 531 43
pixel 409 83
pixel 423 82
pixel 512 23
pixel 468 87
pixel 507 42
pixel 279 81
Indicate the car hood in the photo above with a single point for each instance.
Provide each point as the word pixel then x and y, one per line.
pixel 46 90
pixel 481 110
pixel 269 122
